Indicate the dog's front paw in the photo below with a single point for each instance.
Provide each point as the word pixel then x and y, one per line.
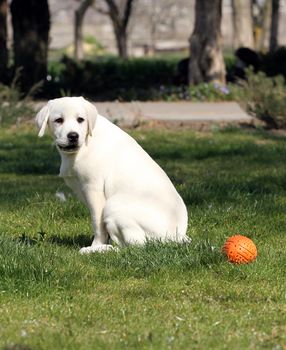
pixel 100 248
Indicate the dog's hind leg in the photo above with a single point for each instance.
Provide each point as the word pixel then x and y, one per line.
pixel 125 232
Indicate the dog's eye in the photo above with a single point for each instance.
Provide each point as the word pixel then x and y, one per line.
pixel 59 120
pixel 80 120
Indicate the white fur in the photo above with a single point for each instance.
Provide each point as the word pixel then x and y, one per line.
pixel 129 196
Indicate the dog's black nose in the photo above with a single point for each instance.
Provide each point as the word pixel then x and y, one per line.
pixel 73 137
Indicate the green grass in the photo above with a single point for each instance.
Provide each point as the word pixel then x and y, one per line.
pixel 161 296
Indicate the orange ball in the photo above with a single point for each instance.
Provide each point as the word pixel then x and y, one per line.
pixel 240 249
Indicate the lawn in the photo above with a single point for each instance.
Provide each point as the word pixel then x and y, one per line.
pixel 161 296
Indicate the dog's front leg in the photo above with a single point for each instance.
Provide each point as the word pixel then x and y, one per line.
pixel 96 201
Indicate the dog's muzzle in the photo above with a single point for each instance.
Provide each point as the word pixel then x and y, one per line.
pixel 72 145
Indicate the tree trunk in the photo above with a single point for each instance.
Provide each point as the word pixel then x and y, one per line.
pixel 273 44
pixel 242 24
pixel 153 29
pixel 120 16
pixel 207 63
pixel 121 41
pixel 262 41
pixel 31 24
pixel 3 40
pixel 78 27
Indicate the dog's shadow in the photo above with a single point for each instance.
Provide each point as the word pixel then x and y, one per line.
pixel 77 241
pixel 67 241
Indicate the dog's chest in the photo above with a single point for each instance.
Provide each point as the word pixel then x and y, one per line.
pixel 79 168
pixel 76 187
pixel 81 177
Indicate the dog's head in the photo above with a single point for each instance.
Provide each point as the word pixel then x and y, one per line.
pixel 70 119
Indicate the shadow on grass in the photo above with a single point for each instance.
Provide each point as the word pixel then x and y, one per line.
pixel 23 192
pixel 221 149
pixel 220 167
pixel 78 241
pixel 25 154
pixel 154 254
pixel 67 241
pixel 235 190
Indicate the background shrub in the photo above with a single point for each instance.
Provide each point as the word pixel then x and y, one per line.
pixel 264 97
pixel 109 78
pixel 13 108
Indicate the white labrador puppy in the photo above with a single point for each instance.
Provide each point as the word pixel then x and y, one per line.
pixel 129 196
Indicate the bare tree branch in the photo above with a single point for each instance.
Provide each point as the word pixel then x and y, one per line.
pixel 78 22
pixel 101 11
pixel 3 39
pixel 127 12
pixel 274 25
pixel 113 11
pixel 120 20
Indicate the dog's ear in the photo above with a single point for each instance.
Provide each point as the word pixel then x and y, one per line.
pixel 91 112
pixel 42 119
